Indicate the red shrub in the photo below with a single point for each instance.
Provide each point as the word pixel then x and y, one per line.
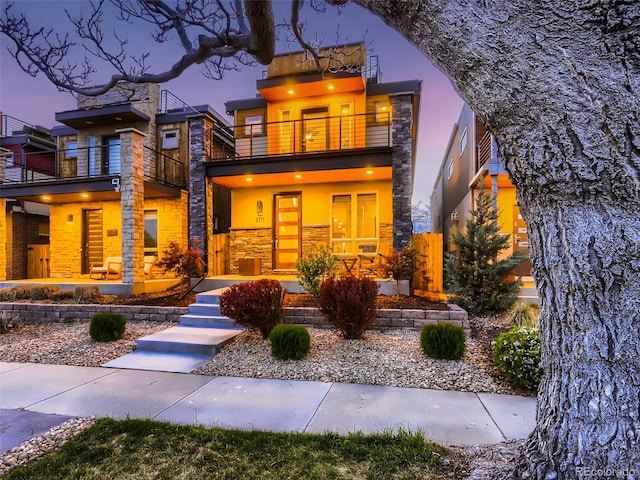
pixel 350 303
pixel 257 305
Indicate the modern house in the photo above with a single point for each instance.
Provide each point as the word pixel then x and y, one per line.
pixel 119 181
pixel 318 159
pixel 470 164
pixel 323 159
pixel 26 224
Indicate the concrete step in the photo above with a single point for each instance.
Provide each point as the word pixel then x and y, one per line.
pixel 212 309
pixel 210 296
pixel 208 321
pixel 159 362
pixel 187 340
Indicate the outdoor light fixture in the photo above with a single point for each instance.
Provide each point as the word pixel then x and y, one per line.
pixel 249 179
pixel 369 172
pixel 291 92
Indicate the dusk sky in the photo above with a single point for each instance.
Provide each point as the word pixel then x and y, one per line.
pixel 35 100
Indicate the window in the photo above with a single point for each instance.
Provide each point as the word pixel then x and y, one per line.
pixel 253 125
pixel 111 161
pixel 383 112
pixel 151 232
pixel 346 126
pixel 463 141
pixel 170 139
pixel 354 213
pixel 93 169
pixel 9 158
pixel 450 170
pixel 71 150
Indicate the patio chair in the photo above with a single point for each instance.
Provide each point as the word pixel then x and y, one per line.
pixel 149 263
pixel 373 264
pixel 111 266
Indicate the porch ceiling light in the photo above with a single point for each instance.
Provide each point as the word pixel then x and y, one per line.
pixel 298 175
pixel 84 195
pixel 46 198
pixel 291 91
pixel 249 179
pixel 369 172
pixel 331 87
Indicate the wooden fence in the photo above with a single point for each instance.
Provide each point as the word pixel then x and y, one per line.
pixel 429 268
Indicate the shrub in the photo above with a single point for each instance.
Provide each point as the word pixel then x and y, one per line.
pixel 257 305
pixel 63 295
pixel 290 342
pixel 517 353
pixel 44 292
pixel 8 321
pixel 7 295
pixel 349 303
pixel 86 294
pixel 314 268
pixel 22 292
pixel 522 315
pixel 107 327
pixel 443 340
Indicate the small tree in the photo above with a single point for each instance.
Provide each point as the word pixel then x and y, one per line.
pixel 185 264
pixel 477 278
pixel 315 268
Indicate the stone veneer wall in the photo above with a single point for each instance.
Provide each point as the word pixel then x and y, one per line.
pixel 386 319
pixel 315 237
pixel 251 242
pixel 403 139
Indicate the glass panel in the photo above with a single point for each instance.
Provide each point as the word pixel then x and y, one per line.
pixel 341 216
pixel 315 131
pixel 113 156
pixel 288 216
pixel 346 126
pixel 287 202
pixel 151 232
pixel 286 132
pixel 288 230
pixel 288 243
pixel 93 168
pixel 286 257
pixel 366 205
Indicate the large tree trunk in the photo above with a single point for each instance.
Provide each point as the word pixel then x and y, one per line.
pixel 558 83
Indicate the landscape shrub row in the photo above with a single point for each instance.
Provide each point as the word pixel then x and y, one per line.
pixel 81 294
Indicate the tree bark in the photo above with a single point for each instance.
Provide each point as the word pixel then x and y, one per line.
pixel 558 84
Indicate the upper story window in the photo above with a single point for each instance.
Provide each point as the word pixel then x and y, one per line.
pixel 253 125
pixel 450 169
pixel 383 112
pixel 170 139
pixel 463 141
pixel 9 158
pixel 71 150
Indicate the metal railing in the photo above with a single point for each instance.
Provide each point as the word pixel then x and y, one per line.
pixel 308 136
pixel 171 103
pixel 164 169
pixel 87 162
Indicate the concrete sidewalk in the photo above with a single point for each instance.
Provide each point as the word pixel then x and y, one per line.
pixel 36 397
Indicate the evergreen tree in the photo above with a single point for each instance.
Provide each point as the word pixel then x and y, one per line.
pixel 477 279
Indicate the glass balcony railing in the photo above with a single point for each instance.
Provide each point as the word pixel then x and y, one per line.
pixel 315 134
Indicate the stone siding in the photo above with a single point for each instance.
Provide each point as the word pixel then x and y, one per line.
pixel 403 140
pixel 253 243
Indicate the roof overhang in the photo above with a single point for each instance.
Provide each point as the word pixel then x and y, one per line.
pixel 123 114
pixel 310 85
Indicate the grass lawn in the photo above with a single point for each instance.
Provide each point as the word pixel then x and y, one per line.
pixel 144 449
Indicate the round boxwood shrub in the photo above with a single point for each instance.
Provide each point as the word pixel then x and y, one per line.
pixel 443 340
pixel 517 353
pixel 290 342
pixel 107 327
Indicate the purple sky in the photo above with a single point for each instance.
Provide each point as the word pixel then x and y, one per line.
pixel 35 100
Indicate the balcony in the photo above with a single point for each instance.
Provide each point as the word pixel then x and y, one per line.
pixel 318 134
pixel 84 165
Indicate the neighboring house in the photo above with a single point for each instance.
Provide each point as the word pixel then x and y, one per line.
pixel 29 153
pixel 121 180
pixel 323 160
pixel 470 163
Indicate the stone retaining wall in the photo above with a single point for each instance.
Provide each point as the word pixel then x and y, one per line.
pixel 312 317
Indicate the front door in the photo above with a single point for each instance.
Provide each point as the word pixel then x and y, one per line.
pixel 315 136
pixel 287 230
pixel 91 239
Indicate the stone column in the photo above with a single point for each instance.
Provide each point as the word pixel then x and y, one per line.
pixel 132 205
pixel 200 191
pixel 3 222
pixel 402 176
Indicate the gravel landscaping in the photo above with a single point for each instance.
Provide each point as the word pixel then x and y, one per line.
pixel 392 357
